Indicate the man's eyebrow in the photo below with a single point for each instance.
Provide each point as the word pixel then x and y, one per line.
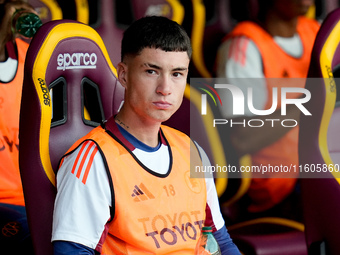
pixel 159 68
pixel 180 69
pixel 152 66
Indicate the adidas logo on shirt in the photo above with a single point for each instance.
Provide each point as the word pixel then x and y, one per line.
pixel 141 193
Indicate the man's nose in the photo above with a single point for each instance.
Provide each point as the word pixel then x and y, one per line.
pixel 164 85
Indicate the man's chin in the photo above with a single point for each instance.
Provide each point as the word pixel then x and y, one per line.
pixel 164 116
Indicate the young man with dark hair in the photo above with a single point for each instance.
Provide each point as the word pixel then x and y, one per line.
pixel 138 197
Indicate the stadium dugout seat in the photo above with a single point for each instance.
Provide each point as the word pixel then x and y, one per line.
pixel 207 23
pixel 322 8
pixel 319 142
pixel 47 9
pixel 61 9
pixel 75 10
pixel 63 99
pixel 82 10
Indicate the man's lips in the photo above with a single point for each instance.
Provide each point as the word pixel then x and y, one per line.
pixel 162 104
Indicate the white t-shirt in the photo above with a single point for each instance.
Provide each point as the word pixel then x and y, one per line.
pixel 8 69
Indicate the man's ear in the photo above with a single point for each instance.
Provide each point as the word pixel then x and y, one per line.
pixel 122 73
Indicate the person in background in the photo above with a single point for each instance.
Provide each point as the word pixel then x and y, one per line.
pixel 276 45
pixel 15 236
pixel 138 197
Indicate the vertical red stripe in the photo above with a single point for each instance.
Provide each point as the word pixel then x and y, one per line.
pixel 78 156
pixel 83 160
pixel 238 50
pixel 243 51
pixel 89 165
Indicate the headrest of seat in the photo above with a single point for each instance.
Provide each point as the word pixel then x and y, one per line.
pixel 326 47
pixel 322 84
pixel 47 10
pixel 325 59
pixel 69 59
pixel 171 9
pixel 72 50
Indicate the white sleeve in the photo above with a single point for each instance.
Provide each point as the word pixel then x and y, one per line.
pixel 212 198
pixel 239 62
pixel 82 205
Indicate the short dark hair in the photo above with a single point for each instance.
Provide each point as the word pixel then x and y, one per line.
pixel 155 32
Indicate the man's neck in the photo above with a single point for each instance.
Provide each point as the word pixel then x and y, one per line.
pixel 277 26
pixel 145 132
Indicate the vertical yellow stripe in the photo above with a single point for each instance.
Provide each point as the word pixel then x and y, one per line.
pixel 197 36
pixel 177 10
pixel 56 12
pixel 83 13
pixel 326 58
